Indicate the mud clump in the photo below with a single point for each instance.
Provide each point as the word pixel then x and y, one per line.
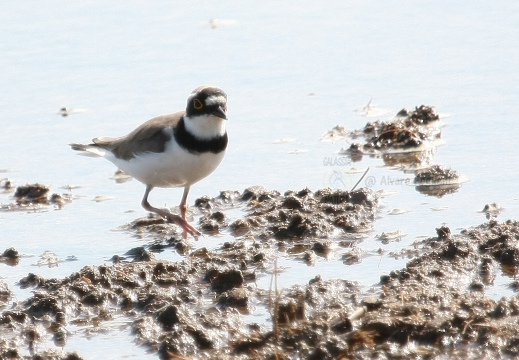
pixel 297 220
pixel 33 197
pixel 408 131
pixel 31 193
pixel 10 257
pixel 436 175
pixel 305 213
pixel 407 140
pixel 437 180
pixel 224 280
pixel 395 136
pixel 421 115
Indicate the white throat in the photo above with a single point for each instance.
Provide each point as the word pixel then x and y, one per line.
pixel 205 126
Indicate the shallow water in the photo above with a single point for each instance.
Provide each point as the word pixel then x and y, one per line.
pixel 292 71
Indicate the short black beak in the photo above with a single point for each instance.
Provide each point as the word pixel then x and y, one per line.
pixel 220 112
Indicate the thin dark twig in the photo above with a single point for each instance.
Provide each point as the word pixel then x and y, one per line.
pixel 358 182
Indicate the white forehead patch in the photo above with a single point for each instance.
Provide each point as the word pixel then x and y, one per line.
pixel 215 99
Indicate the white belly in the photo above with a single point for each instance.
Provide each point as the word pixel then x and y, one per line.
pixel 175 167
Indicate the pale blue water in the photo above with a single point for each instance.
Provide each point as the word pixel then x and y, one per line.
pixel 291 70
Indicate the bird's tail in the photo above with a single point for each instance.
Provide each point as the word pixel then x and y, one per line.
pixel 91 150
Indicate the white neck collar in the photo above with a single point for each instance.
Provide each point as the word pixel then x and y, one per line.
pixel 205 126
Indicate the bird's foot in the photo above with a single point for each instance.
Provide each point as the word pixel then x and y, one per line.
pixel 186 227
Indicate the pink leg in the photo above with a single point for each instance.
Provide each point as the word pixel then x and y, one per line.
pixel 180 221
pixel 183 207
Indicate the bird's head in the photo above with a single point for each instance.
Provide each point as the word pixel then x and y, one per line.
pixel 206 112
pixel 207 100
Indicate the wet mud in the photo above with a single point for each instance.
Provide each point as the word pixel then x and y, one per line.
pixel 32 197
pixel 407 131
pixel 437 180
pixel 407 141
pixel 198 307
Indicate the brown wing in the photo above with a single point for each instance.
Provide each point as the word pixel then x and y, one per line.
pixel 149 137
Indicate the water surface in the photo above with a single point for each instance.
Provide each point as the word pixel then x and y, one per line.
pixel 292 71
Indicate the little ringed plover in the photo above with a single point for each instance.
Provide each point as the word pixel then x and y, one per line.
pixel 175 150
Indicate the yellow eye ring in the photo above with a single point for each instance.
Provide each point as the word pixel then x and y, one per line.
pixel 198 104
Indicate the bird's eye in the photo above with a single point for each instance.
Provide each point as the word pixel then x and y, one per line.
pixel 198 104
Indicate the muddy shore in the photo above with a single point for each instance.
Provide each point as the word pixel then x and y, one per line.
pixel 436 306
